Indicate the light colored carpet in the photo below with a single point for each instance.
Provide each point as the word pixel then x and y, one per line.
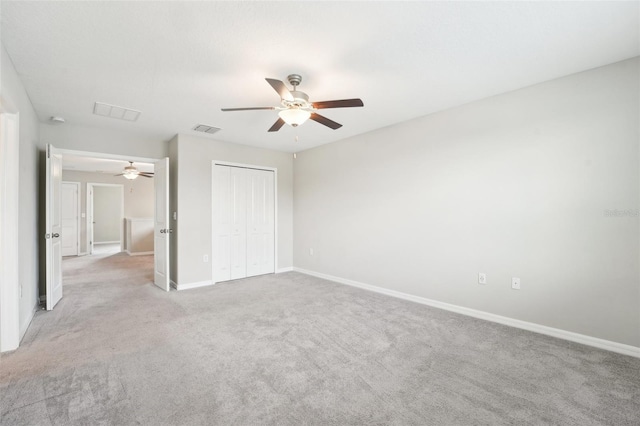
pixel 290 349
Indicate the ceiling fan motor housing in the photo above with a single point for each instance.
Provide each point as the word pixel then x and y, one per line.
pixel 294 79
pixel 300 100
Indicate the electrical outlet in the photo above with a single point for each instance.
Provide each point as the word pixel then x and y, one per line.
pixel 515 283
pixel 205 258
pixel 310 252
pixel 482 278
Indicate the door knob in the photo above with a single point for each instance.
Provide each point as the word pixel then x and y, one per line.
pixel 162 231
pixel 56 235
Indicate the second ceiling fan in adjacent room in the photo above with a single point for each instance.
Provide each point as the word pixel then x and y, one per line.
pixel 131 172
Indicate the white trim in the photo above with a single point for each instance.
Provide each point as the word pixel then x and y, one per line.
pixel 9 221
pixel 275 208
pixel 83 253
pixel 608 345
pixel 173 284
pixel 287 269
pixel 97 243
pixel 138 253
pixel 189 286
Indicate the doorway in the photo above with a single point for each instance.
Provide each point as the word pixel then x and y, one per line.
pixel 105 218
pixel 113 233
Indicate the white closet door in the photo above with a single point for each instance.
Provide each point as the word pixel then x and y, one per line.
pixel 238 215
pixel 221 223
pixel 69 211
pixel 260 222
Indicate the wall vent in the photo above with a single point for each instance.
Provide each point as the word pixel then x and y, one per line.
pixel 114 111
pixel 205 128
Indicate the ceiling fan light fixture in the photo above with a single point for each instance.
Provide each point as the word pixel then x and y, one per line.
pixel 130 174
pixel 294 116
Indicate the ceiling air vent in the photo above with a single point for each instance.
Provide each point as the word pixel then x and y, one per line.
pixel 206 129
pixel 113 111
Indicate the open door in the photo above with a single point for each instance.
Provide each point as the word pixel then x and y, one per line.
pixel 161 224
pixel 54 227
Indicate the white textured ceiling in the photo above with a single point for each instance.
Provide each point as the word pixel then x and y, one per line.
pixel 179 62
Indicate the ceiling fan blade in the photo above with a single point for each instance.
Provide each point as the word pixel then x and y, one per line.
pixel 146 174
pixel 246 109
pixel 280 88
pixel 324 120
pixel 143 175
pixel 277 125
pixel 344 103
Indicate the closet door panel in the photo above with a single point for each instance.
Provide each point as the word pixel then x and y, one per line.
pixel 238 213
pixel 221 256
pixel 260 222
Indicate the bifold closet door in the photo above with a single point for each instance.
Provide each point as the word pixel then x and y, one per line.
pixel 243 221
pixel 260 222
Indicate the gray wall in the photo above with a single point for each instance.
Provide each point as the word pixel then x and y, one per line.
pixel 138 196
pixel 514 185
pixel 194 157
pixel 14 95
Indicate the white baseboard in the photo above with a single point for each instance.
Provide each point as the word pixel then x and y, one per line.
pixel 138 253
pixel 84 253
pixel 287 269
pixel 608 345
pixel 106 242
pixel 189 286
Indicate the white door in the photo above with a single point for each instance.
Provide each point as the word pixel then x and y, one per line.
pixel 9 214
pixel 221 196
pixel 238 217
pixel 54 227
pixel 161 276
pixel 90 219
pixel 69 216
pixel 229 223
pixel 260 222
pixel 243 222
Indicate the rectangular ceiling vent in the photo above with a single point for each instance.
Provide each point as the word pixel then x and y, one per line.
pixel 113 111
pixel 206 129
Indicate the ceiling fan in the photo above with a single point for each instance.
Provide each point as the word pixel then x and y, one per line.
pixel 130 172
pixel 296 108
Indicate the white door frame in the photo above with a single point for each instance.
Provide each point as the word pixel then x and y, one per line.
pixel 275 207
pixel 78 212
pixel 9 221
pixel 90 186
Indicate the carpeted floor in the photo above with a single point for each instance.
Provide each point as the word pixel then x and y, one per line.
pixel 291 349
